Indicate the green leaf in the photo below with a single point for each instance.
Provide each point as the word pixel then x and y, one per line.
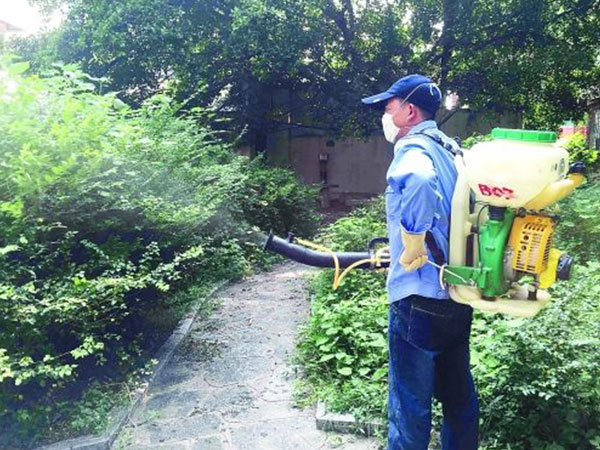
pixel 346 371
pixel 380 373
pixel 322 340
pixel 379 341
pixel 340 355
pixel 18 68
pixel 326 357
pixel 8 249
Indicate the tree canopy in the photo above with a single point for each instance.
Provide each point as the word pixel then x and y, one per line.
pixel 273 64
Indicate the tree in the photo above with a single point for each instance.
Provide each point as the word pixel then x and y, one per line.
pixel 272 64
pixel 539 57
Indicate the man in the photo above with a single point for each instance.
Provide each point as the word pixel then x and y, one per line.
pixel 428 333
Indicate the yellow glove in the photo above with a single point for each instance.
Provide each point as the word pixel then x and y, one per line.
pixel 414 255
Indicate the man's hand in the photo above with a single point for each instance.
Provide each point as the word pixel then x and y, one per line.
pixel 414 255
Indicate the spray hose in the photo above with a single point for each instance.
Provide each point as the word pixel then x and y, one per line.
pixel 337 279
pixel 325 257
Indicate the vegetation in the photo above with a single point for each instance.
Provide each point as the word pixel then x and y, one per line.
pixel 537 379
pixel 579 230
pixel 343 348
pixel 578 150
pixel 113 221
pixel 314 59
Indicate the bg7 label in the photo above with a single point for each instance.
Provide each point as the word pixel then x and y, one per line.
pixel 494 191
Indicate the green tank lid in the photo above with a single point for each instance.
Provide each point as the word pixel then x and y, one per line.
pixel 542 137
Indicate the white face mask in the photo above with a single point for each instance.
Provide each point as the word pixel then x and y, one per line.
pixel 390 130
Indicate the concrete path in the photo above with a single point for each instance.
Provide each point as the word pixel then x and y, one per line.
pixel 229 386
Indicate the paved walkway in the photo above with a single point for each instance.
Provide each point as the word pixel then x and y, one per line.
pixel 229 386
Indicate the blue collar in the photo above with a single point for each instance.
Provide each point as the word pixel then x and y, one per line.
pixel 418 128
pixel 426 124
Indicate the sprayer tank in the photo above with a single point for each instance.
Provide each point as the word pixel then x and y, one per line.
pixel 515 166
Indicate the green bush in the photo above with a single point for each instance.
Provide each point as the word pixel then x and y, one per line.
pixel 343 348
pixel 579 228
pixel 107 214
pixel 578 150
pixel 474 139
pixel 353 233
pixel 539 379
pixel 277 201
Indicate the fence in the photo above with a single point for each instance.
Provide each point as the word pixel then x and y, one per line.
pixel 351 169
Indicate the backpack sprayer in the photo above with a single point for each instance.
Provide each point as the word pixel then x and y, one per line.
pixel 501 257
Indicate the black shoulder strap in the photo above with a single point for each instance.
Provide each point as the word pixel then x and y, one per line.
pixel 436 252
pixel 438 140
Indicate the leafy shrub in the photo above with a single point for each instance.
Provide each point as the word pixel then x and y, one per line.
pixel 579 228
pixel 474 139
pixel 107 213
pixel 578 150
pixel 353 233
pixel 538 380
pixel 343 348
pixel 277 201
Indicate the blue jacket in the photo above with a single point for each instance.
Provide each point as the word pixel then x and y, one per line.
pixel 420 185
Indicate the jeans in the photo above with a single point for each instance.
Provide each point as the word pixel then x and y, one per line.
pixel 429 356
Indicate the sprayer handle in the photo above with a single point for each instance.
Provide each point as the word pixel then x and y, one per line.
pixel 377 240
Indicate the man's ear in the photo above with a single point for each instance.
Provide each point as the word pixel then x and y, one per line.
pixel 413 112
pixel 417 113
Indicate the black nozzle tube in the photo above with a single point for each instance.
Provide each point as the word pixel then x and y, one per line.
pixel 578 167
pixel 565 263
pixel 314 258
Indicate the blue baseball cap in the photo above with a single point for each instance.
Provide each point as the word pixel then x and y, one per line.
pixel 417 89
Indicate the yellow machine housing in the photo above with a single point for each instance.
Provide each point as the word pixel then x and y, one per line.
pixel 531 240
